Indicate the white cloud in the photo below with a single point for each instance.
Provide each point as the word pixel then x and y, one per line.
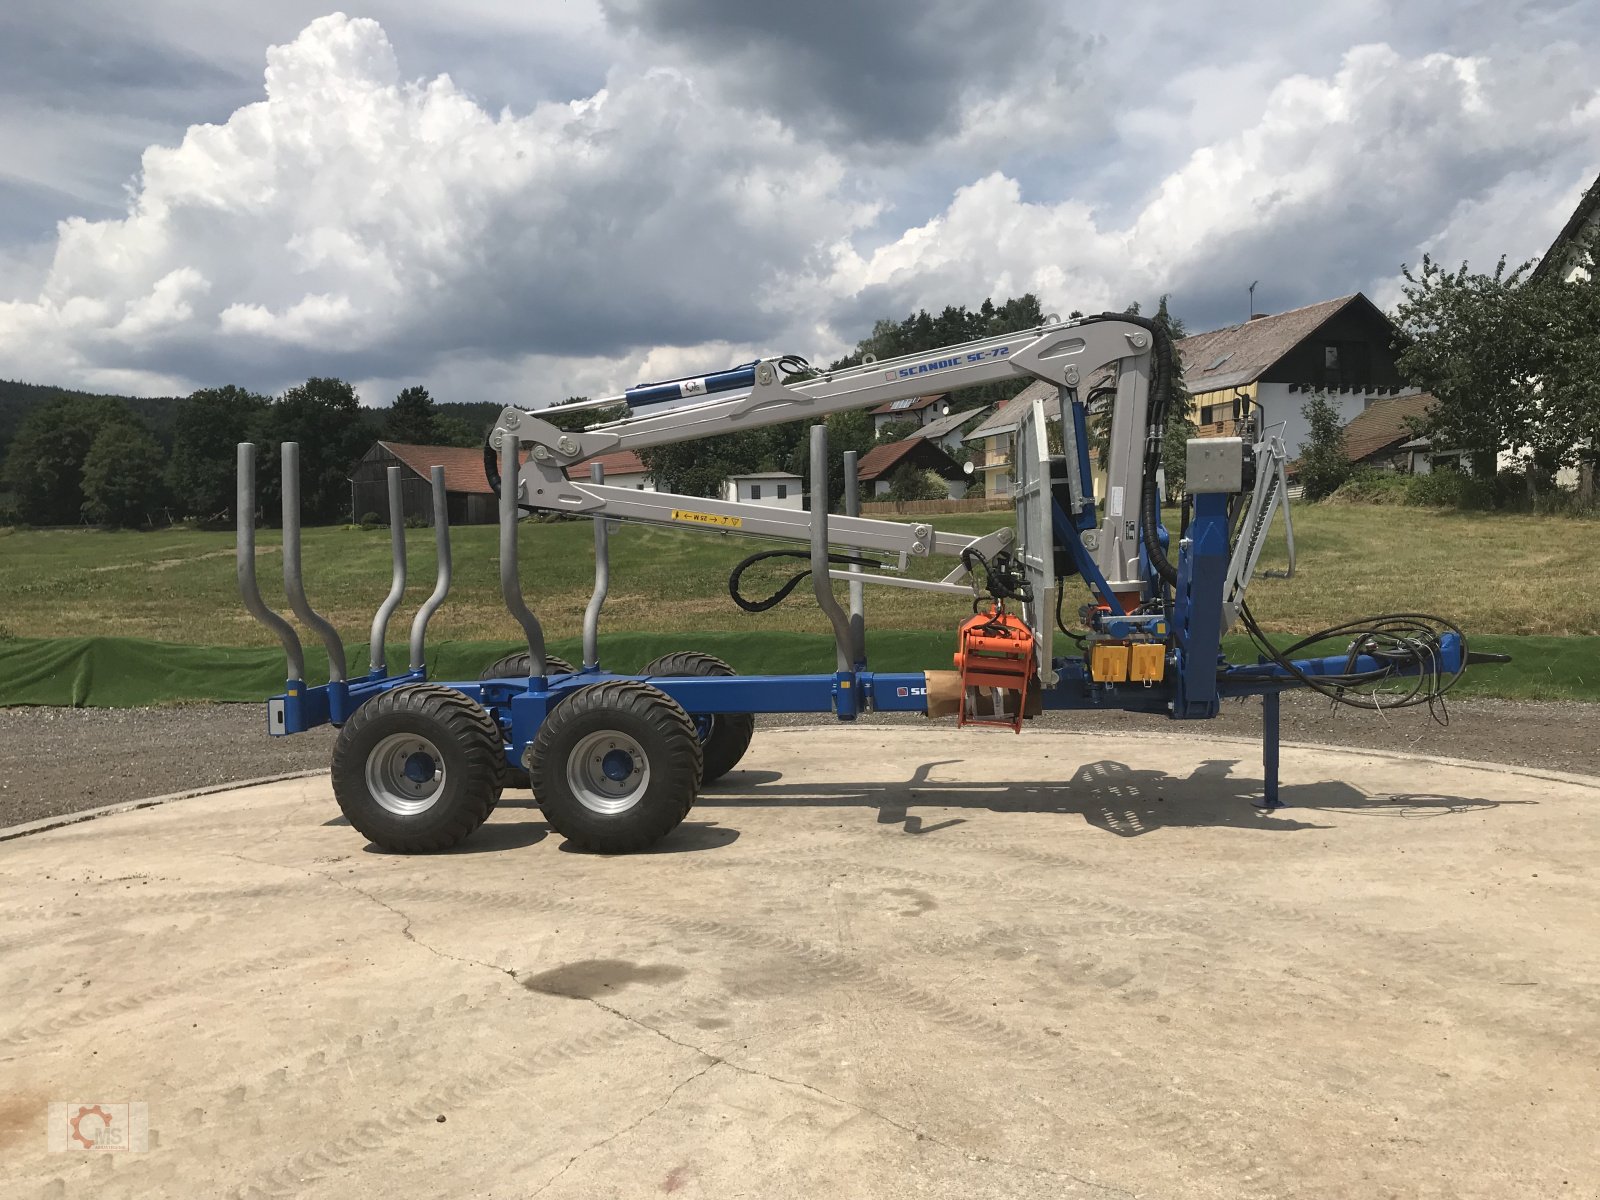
pixel 379 225
pixel 1335 183
pixel 361 222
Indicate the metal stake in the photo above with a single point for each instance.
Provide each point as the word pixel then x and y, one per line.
pixel 245 556
pixel 441 583
pixel 510 581
pixel 858 609
pixel 821 584
pixel 293 583
pixel 602 581
pixel 397 587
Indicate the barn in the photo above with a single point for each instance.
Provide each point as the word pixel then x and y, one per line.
pixel 469 498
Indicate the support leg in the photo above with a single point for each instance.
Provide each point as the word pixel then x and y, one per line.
pixel 1269 801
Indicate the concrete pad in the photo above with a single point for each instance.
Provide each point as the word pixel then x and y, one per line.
pixel 876 962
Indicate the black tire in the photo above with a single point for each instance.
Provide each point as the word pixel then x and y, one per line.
pixel 729 734
pixel 378 749
pixel 517 666
pixel 616 766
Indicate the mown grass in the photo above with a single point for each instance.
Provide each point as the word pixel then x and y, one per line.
pixel 1492 574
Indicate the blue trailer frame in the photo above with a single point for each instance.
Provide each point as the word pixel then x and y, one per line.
pixel 1196 680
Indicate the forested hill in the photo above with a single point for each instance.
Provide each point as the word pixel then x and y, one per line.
pixel 17 400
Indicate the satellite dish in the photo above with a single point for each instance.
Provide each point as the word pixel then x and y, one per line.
pixel 967 468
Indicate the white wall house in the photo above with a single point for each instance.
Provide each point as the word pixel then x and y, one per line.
pixel 777 488
pixel 920 410
pixel 1341 348
pixel 1282 402
pixel 622 469
pixel 948 431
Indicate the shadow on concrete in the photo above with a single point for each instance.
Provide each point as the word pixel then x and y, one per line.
pixel 489 838
pixel 687 838
pixel 1109 795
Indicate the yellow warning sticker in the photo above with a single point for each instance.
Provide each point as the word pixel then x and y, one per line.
pixel 699 518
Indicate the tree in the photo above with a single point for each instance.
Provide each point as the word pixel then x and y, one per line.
pixel 45 464
pixel 922 331
pixel 1323 463
pixel 699 467
pixel 1564 315
pixel 910 483
pixel 412 418
pixel 206 427
pixel 896 431
pixel 453 431
pixel 325 416
pixel 1469 339
pixel 576 422
pixel 122 482
pixel 1512 361
pixel 850 430
pixel 1180 407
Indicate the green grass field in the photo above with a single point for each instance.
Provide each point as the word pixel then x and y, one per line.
pixel 1501 575
pixel 1492 574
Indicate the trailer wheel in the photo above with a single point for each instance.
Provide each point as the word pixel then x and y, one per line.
pixel 724 737
pixel 615 766
pixel 519 666
pixel 417 769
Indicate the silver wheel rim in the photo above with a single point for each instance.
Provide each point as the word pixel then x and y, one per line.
pixel 608 772
pixel 405 774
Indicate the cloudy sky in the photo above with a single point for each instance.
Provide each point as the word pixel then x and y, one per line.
pixel 517 201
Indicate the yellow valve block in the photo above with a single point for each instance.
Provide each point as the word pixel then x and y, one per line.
pixel 1149 662
pixel 1108 662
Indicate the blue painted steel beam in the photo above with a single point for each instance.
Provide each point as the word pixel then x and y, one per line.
pixel 1197 607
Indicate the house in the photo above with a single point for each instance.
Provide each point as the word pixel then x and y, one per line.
pixel 946 431
pixel 777 488
pixel 1565 257
pixel 921 409
pixel 1383 435
pixel 1343 348
pixel 994 436
pixel 878 466
pixel 622 468
pixel 468 498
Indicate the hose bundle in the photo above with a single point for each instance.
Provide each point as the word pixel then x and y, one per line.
pixel 1400 642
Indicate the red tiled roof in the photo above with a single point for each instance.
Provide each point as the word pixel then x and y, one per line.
pixel 882 460
pixel 463 466
pixel 1238 354
pixel 618 462
pixel 1383 425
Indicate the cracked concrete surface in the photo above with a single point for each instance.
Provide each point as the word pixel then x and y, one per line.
pixel 875 962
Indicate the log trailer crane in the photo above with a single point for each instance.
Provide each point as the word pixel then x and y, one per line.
pixel 616 760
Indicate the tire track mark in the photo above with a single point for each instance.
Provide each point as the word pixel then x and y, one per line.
pixel 896 993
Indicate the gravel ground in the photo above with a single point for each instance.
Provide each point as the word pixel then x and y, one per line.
pixel 56 760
